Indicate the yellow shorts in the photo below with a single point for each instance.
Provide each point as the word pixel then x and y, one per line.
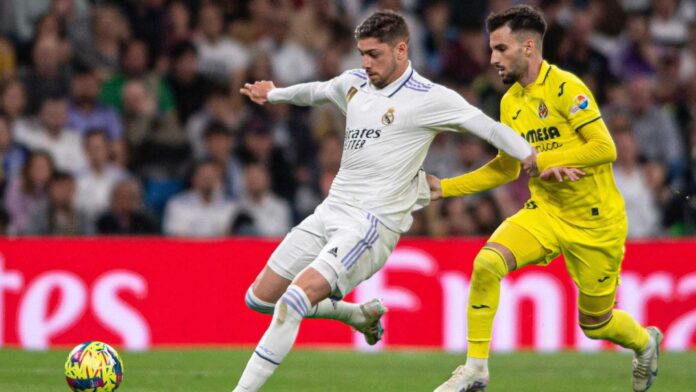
pixel 593 256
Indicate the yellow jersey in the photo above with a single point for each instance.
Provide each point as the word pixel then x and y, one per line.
pixel 549 114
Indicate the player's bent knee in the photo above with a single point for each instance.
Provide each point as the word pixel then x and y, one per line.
pixel 596 306
pixel 596 327
pixel 256 304
pixel 491 261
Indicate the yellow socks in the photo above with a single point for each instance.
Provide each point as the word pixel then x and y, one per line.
pixel 621 329
pixel 484 295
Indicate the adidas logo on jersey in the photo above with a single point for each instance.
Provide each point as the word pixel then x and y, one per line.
pixel 334 251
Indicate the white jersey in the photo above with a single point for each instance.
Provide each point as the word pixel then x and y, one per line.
pixel 388 133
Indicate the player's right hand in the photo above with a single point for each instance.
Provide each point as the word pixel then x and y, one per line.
pixel 435 187
pixel 529 164
pixel 258 92
pixel 557 173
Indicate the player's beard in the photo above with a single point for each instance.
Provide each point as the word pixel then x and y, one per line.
pixel 387 76
pixel 517 68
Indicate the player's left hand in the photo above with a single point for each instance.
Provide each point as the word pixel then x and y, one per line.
pixel 557 173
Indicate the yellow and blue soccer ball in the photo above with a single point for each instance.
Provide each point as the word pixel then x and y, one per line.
pixel 93 367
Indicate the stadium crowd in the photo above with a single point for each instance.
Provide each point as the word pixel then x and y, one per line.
pixel 124 117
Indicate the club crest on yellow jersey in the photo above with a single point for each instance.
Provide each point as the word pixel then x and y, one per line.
pixel 543 111
pixel 388 117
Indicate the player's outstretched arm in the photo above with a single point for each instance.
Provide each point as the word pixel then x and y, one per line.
pixel 598 149
pixel 258 91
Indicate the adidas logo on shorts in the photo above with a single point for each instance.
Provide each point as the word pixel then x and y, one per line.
pixel 334 251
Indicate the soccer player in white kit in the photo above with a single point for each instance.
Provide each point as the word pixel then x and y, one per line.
pixel 392 115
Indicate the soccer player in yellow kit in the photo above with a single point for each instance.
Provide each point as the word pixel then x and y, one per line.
pixel 582 218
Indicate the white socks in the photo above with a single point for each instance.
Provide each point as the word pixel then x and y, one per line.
pixel 345 312
pixel 479 364
pixel 277 341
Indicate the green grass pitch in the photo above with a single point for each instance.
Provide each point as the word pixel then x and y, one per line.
pixel 343 371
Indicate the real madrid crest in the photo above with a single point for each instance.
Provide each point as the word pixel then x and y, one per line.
pixel 543 110
pixel 388 117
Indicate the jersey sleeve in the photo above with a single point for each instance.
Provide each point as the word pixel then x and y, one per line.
pixel 336 90
pixel 444 109
pixel 577 104
pixel 501 170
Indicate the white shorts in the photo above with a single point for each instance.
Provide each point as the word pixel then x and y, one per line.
pixel 345 244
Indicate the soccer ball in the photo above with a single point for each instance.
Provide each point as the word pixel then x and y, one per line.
pixel 93 367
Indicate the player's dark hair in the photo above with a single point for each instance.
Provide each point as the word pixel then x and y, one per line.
pixel 386 26
pixel 520 17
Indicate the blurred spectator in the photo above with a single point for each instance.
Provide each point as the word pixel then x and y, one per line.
pixel 8 59
pixel 13 101
pixel 461 221
pixel 177 25
pixel 219 146
pixel 438 34
pixel 189 87
pixel 667 27
pixel 641 207
pixel 203 210
pixel 19 17
pixel 52 135
pixel 655 128
pixel 49 26
pixel 668 89
pixel 312 25
pixel 26 191
pixel 126 215
pixel 466 56
pixel 291 62
pixel 12 155
pixel 636 54
pixel 96 181
pixel 219 107
pixel 582 58
pixel 258 146
pixel 100 48
pixel 147 20
pixel 85 110
pixel 156 143
pixel 134 67
pixel 271 215
pixel 57 215
pixel 253 23
pixel 311 181
pixel 486 214
pixel 687 59
pixel 221 57
pixel 442 156
pixel 48 76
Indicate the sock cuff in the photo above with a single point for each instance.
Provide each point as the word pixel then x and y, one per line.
pixel 296 299
pixel 593 327
pixel 258 304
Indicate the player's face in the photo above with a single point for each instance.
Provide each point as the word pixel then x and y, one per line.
pixel 380 60
pixel 507 55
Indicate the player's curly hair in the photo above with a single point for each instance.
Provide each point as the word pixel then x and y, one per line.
pixel 386 26
pixel 520 17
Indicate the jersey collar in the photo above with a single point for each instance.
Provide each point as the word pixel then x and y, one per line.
pixel 393 87
pixel 543 73
pixel 540 80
